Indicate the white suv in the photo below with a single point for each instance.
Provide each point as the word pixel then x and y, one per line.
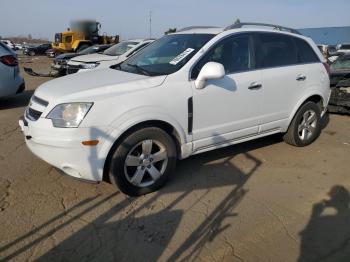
pixel 189 92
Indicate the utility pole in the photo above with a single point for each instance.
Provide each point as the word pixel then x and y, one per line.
pixel 150 24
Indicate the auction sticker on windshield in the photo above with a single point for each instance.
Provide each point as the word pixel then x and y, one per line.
pixel 181 56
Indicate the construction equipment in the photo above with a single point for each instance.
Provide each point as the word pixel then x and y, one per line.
pixel 80 35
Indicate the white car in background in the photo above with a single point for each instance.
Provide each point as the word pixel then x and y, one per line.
pixel 10 80
pixel 189 92
pixel 111 56
pixel 9 43
pixel 343 48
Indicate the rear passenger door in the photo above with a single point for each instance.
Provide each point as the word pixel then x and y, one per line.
pixel 284 77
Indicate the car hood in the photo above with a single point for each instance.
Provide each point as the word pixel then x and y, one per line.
pixel 65 56
pixel 94 85
pixel 94 58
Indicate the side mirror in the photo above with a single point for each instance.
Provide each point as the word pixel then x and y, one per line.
pixel 210 70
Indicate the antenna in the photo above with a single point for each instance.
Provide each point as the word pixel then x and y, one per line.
pixel 150 24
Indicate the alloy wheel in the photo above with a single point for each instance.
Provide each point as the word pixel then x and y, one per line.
pixel 307 125
pixel 146 163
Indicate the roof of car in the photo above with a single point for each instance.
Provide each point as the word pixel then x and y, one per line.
pixel 138 40
pixel 241 27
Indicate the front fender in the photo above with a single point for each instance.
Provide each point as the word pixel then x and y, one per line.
pixel 137 116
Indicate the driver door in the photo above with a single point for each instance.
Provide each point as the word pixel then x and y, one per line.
pixel 227 109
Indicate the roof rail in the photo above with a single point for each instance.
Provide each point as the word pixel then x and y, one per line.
pixel 275 27
pixel 195 27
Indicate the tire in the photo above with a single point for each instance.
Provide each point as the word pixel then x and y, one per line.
pixel 134 160
pixel 82 47
pixel 32 53
pixel 305 126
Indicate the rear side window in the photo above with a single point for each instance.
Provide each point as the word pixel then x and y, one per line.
pixel 276 50
pixel 305 53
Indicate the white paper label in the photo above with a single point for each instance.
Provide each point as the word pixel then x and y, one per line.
pixel 181 56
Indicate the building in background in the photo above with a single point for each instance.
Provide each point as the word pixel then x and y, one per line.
pixel 328 35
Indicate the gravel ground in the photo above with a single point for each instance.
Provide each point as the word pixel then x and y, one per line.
pixel 258 201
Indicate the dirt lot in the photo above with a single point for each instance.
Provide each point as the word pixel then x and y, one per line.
pixel 258 201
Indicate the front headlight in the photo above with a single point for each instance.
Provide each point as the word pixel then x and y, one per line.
pixel 89 65
pixel 69 115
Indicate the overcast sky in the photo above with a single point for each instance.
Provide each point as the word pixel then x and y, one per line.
pixel 129 19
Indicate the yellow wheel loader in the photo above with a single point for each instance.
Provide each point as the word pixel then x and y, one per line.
pixel 80 35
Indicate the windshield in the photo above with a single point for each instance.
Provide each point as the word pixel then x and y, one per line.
pixel 120 48
pixel 341 63
pixel 166 55
pixel 89 50
pixel 344 47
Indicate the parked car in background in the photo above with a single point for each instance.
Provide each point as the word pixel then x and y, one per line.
pixel 340 85
pixel 60 62
pixel 343 48
pixel 9 43
pixel 52 53
pixel 111 56
pixel 10 80
pixel 36 50
pixel 189 92
pixel 18 46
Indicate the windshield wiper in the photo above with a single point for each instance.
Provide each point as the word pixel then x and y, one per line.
pixel 140 69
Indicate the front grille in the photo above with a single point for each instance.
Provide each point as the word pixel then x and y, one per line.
pixel 72 70
pixel 33 114
pixel 39 101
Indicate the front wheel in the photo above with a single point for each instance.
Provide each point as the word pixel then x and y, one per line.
pixel 305 126
pixel 143 161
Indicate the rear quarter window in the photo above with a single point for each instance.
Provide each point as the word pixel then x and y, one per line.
pixel 305 52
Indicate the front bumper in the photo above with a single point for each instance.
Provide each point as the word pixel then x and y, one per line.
pixel 63 148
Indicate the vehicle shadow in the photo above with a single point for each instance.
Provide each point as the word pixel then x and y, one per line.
pixel 121 234
pixel 20 100
pixel 327 235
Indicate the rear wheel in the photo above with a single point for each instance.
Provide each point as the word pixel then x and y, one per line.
pixel 305 126
pixel 143 161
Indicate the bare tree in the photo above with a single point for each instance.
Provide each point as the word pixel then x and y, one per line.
pixel 171 30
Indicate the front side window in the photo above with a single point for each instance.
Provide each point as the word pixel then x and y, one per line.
pixel 120 48
pixel 166 55
pixel 275 50
pixel 234 53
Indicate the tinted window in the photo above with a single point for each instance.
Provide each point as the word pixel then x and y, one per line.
pixel 305 53
pixel 234 53
pixel 276 50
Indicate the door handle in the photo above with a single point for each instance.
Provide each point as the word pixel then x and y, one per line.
pixel 254 85
pixel 301 77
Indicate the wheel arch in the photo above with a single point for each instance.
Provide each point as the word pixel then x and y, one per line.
pixel 169 128
pixel 316 98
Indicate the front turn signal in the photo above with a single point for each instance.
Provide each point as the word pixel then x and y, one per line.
pixel 90 142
